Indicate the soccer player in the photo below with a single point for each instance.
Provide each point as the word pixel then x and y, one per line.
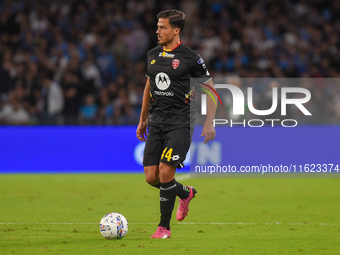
pixel 166 113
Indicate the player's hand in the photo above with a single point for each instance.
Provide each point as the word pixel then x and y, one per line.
pixel 208 132
pixel 141 131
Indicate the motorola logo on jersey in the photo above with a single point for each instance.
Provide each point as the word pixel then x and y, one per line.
pixel 164 93
pixel 162 81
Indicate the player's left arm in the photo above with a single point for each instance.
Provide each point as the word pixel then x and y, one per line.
pixel 208 130
pixel 199 70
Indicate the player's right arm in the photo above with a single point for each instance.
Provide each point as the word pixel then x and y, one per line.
pixel 141 132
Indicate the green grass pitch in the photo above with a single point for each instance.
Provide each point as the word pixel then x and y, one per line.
pixel 60 214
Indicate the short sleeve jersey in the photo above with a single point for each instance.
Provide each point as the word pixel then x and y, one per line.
pixel 169 71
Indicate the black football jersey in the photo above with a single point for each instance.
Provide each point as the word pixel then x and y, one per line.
pixel 171 101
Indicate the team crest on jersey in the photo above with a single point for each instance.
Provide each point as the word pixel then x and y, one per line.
pixel 175 63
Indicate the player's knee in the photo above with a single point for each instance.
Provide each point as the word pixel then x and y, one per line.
pixel 166 173
pixel 152 180
pixel 151 175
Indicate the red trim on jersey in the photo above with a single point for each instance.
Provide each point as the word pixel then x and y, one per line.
pixel 173 48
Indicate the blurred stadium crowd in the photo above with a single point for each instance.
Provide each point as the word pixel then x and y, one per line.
pixel 70 62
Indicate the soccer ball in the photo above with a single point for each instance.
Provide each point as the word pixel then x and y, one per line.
pixel 113 226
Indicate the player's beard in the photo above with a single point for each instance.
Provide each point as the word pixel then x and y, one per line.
pixel 164 43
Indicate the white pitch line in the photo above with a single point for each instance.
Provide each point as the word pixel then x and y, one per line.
pixel 183 177
pixel 259 223
pixel 47 223
pixel 180 223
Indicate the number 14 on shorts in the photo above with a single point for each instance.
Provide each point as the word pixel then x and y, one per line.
pixel 167 153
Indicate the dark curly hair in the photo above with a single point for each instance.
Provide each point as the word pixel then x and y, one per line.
pixel 176 18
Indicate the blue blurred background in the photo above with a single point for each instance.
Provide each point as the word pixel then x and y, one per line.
pixel 115 149
pixel 81 62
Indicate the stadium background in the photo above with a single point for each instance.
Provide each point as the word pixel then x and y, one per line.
pixel 94 52
pixel 77 68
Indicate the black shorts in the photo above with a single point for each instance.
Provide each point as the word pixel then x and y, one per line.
pixel 169 146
